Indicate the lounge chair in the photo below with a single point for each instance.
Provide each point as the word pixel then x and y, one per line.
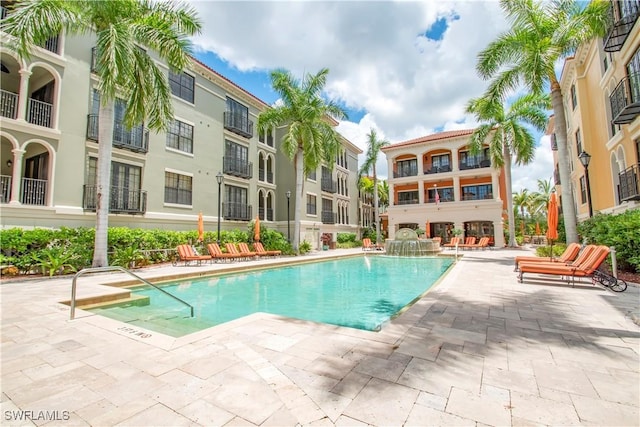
pixel 569 255
pixel 455 241
pixel 468 242
pixel 186 254
pixel 570 272
pixel 260 250
pixel 482 244
pixel 216 253
pixel 581 258
pixel 437 239
pixel 232 249
pixel 245 251
pixel 368 245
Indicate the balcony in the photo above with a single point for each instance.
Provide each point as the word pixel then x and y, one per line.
pixel 437 169
pixel 236 211
pixel 238 123
pixel 121 200
pixel 5 188
pixel 408 202
pixel 52 44
pixel 34 192
pixel 329 185
pixel 480 162
pixel 134 139
pixel 404 172
pixel 261 176
pixel 629 188
pixel 237 167
pixel 39 113
pixel 329 217
pixel 620 29
pixel 8 104
pixel 625 100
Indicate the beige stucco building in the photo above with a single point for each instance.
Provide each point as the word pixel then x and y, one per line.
pixel 601 88
pixel 437 185
pixel 48 150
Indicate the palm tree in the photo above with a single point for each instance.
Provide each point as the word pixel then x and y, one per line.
pixel 374 145
pixel 310 139
pixel 124 70
pixel 383 194
pixel 540 34
pixel 521 201
pixel 507 136
pixel 540 198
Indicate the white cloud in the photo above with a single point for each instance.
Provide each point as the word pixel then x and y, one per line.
pixel 408 85
pixel 527 176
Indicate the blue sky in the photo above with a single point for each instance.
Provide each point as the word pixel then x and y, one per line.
pixel 405 69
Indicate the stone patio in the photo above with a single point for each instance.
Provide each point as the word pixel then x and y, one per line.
pixel 478 349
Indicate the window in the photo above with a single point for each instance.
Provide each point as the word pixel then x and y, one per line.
pixel 583 190
pixel 182 85
pixel 311 205
pixel 236 118
pixel 441 161
pixel 236 160
pixel 312 175
pixel 177 188
pixel 477 192
pixel 125 194
pixel 266 138
pixel 578 142
pixel 407 168
pixel 574 97
pixel 469 161
pixel 236 203
pixel 180 136
pixel 445 193
pixel 408 197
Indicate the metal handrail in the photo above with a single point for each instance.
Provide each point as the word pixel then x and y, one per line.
pixel 115 268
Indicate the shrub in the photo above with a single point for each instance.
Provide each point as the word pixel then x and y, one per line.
pixel 346 237
pixel 305 247
pixel 544 251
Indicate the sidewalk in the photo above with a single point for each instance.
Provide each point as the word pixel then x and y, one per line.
pixel 479 349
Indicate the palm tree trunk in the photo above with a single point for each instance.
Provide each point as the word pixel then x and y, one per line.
pixel 376 209
pixel 508 184
pixel 105 144
pixel 297 216
pixel 568 209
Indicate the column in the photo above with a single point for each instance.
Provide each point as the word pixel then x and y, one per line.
pixel 495 185
pixel 16 175
pixel 420 192
pixel 456 189
pixel 23 95
pixel 498 233
pixel 455 164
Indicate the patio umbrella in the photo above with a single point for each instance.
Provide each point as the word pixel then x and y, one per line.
pixel 552 221
pixel 200 227
pixel 537 229
pixel 256 229
pixel 427 231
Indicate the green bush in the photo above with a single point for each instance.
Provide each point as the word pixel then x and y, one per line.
pixel 349 245
pixel 304 247
pixel 346 237
pixel 621 231
pixel 544 251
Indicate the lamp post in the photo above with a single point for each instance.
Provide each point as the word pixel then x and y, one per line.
pixel 585 158
pixel 219 178
pixel 288 218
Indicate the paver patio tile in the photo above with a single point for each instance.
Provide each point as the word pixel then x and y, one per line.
pixel 570 380
pixel 381 368
pixel 331 404
pixel 457 336
pixel 205 413
pixel 134 387
pixel 511 380
pixel 351 384
pixel 543 411
pixel 618 388
pixel 556 395
pixel 157 415
pixel 372 405
pixel 20 363
pixel 438 378
pixel 425 416
pixel 482 409
pixel 431 401
pixel 345 421
pixel 600 412
pixel 420 348
pixel 332 367
pixel 208 366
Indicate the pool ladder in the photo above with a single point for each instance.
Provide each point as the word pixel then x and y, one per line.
pixel 123 270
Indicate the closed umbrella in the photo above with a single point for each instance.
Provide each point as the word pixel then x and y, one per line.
pixel 537 229
pixel 552 221
pixel 200 227
pixel 256 229
pixel 427 230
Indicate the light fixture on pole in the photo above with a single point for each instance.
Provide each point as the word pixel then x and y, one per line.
pixel 9 163
pixel 585 158
pixel 288 218
pixel 219 178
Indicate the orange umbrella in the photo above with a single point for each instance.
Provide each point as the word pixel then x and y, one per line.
pixel 427 230
pixel 256 229
pixel 537 229
pixel 552 217
pixel 200 227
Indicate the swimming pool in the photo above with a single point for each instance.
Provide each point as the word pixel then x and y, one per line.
pixel 358 292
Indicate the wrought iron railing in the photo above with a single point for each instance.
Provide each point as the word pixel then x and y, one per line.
pixel 236 211
pixel 473 163
pixel 5 188
pixel 629 183
pixel 329 217
pixel 178 196
pixel 329 185
pixel 268 140
pixel 237 167
pixel 405 171
pixel 312 209
pixel 8 104
pixel 437 169
pixel 121 200
pixel 408 202
pixel 39 113
pixel 621 26
pixel 624 96
pixel 268 212
pixel 238 123
pixel 135 139
pixel 52 44
pixel 34 192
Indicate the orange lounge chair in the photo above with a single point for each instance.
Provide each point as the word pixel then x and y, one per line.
pixel 245 251
pixel 452 243
pixel 368 245
pixel 260 250
pixel 216 252
pixel 582 257
pixel 569 255
pixel 468 242
pixel 232 249
pixel 482 244
pixel 186 254
pixel 437 239
pixel 585 269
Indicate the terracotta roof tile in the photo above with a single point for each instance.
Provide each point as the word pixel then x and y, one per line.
pixel 430 138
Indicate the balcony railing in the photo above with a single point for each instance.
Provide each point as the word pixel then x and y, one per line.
pixel 39 113
pixel 236 211
pixel 268 212
pixel 121 200
pixel 238 123
pixel 622 26
pixel 437 169
pixel 5 188
pixel 237 167
pixel 34 192
pixel 52 44
pixel 8 104
pixel 625 100
pixel 405 171
pixel 408 202
pixel 134 139
pixel 329 217
pixel 481 162
pixel 630 184
pixel 329 185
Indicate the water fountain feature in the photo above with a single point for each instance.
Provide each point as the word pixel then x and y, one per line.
pixel 406 243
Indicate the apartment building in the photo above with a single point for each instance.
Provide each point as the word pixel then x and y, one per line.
pixel 48 149
pixel 601 87
pixel 437 185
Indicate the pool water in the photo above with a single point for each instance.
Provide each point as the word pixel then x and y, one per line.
pixel 359 292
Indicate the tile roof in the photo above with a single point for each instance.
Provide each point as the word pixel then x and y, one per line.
pixel 429 138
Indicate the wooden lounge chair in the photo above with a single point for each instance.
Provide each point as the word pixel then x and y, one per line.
pixel 260 250
pixel 468 242
pixel 585 269
pixel 186 254
pixel 245 251
pixel 216 253
pixel 452 243
pixel 569 255
pixel 482 244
